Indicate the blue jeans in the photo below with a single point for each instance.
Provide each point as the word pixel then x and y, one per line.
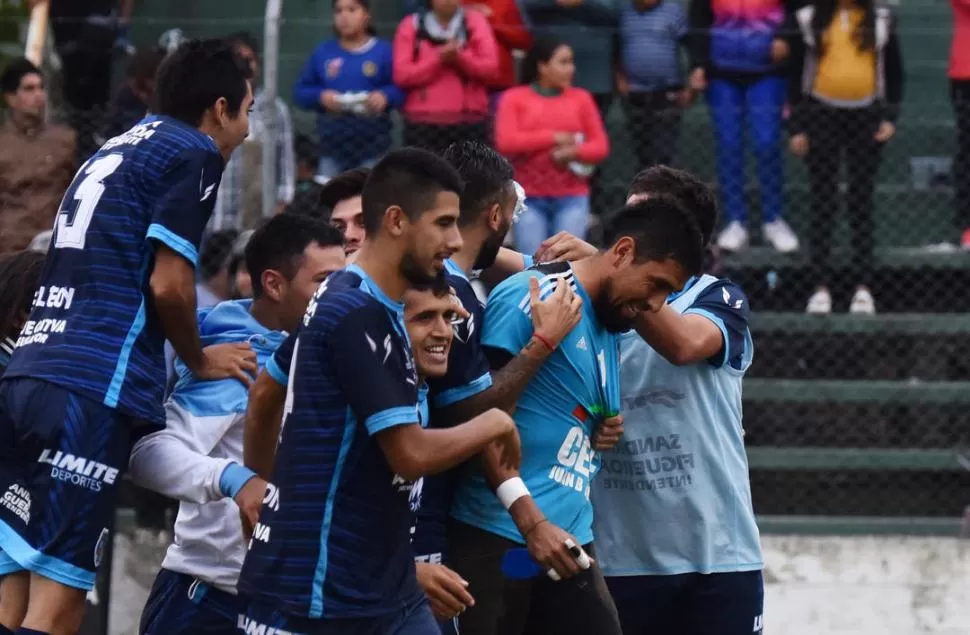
pixel 548 215
pixel 759 104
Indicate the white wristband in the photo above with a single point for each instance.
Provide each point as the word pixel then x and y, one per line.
pixel 511 490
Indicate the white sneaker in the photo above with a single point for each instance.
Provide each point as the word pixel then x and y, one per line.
pixel 862 302
pixel 780 236
pixel 820 303
pixel 734 237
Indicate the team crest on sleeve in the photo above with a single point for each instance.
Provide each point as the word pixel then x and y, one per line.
pixel 100 546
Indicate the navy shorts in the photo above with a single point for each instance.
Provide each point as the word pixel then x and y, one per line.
pixel 62 456
pixel 691 603
pixel 180 604
pixel 415 619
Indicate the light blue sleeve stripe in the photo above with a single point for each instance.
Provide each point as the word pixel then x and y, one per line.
pixel 49 567
pixel 234 478
pixel 174 242
pixel 399 416
pixel 719 323
pixel 276 372
pixel 527 261
pixel 461 393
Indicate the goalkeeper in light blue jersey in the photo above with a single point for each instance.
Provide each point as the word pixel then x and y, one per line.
pixel 674 524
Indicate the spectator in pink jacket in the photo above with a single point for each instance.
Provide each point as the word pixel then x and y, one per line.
pixel 444 58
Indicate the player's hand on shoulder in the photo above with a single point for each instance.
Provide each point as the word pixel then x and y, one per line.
pixel 446 590
pixel 556 315
pixel 235 360
pixel 564 246
pixel 550 547
pixel 608 433
pixel 250 501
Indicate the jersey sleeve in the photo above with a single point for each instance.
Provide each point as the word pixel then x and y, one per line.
pixel 725 304
pixel 278 366
pixel 370 361
pixel 508 322
pixel 468 370
pixel 188 192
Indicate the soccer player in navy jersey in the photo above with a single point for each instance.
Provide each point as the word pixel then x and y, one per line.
pixel 87 375
pixel 331 552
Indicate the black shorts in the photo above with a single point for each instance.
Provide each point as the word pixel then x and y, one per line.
pixel 691 603
pixel 539 606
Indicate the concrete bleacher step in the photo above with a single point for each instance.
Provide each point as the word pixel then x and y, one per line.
pixel 854 392
pixel 910 459
pixel 890 324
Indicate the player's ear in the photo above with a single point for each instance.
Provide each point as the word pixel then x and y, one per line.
pixel 395 220
pixel 273 282
pixel 623 251
pixel 494 217
pixel 220 110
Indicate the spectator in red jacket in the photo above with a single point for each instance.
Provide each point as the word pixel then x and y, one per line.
pixel 511 35
pixel 960 94
pixel 553 135
pixel 444 59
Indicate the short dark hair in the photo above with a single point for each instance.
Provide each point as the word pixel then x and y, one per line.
pixel 19 276
pixel 244 38
pixel 696 195
pixel 662 228
pixel 306 149
pixel 438 285
pixel 343 186
pixel 143 65
pixel 486 174
pixel 193 78
pixel 279 244
pixel 544 46
pixel 216 252
pixel 14 73
pixel 410 178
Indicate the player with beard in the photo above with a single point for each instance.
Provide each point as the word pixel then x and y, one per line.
pixel 488 207
pixel 656 247
pixel 331 552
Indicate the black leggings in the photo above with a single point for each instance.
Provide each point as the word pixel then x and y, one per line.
pixel 838 136
pixel 538 606
pixel 960 95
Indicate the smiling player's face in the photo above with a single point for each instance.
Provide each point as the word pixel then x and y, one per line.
pixel 432 238
pixel 428 319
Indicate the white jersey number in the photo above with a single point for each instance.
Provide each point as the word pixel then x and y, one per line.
pixel 72 224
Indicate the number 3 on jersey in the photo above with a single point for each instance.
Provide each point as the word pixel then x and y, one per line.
pixel 79 203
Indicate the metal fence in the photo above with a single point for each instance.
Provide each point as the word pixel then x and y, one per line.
pixel 855 422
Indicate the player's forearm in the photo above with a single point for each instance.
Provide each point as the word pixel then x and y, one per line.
pixel 507 384
pixel 173 293
pixel 680 339
pixel 261 431
pixel 413 452
pixel 524 511
pixel 162 463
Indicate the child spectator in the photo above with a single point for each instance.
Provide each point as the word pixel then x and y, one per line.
pixel 19 277
pixel 444 58
pixel 133 100
pixel 650 77
pixel 307 198
pixel 845 90
pixel 960 95
pixel 349 81
pixel 737 56
pixel 553 135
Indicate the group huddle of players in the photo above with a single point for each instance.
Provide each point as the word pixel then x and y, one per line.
pixel 409 459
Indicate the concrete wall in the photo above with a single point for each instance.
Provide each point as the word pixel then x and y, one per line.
pixel 867 586
pixel 816 586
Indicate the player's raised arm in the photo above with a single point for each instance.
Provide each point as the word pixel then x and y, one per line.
pixel 552 319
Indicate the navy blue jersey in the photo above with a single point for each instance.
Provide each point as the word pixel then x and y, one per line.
pixel 92 329
pixel 468 375
pixel 333 541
